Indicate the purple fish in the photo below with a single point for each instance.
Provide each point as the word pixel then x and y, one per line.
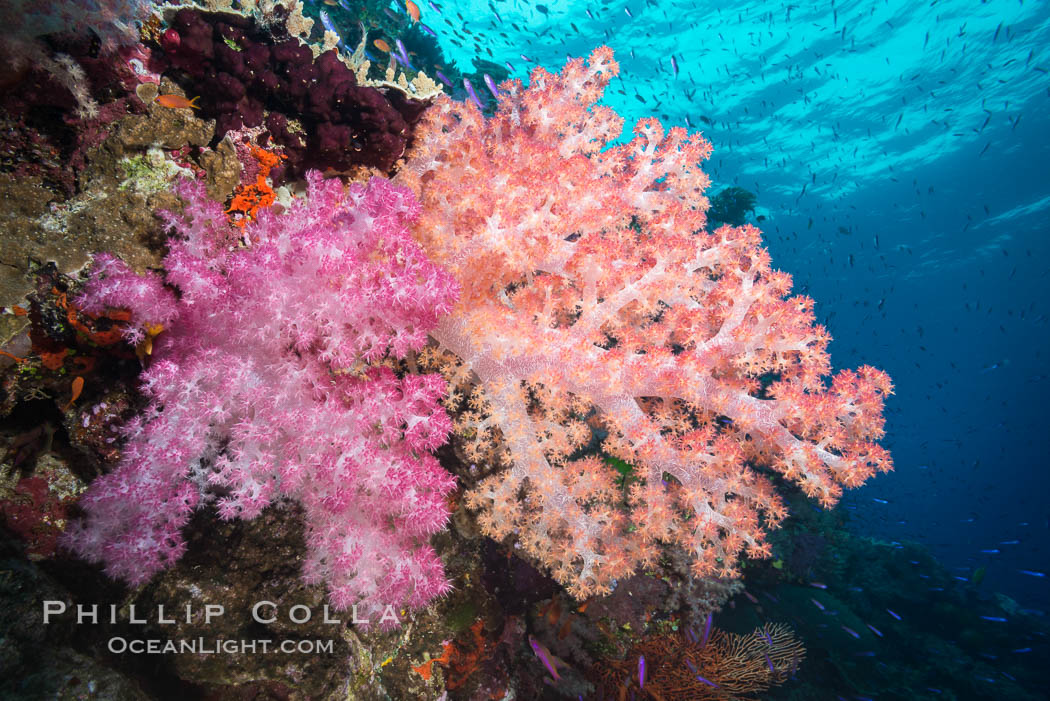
pixel 628 13
pixel 327 22
pixel 544 656
pixel 525 58
pixel 766 636
pixel 874 630
pixel 817 604
pixel 674 66
pixel 491 85
pixel 441 76
pixel 402 53
pixel 692 668
pixel 641 671
pixel 473 95
pixel 818 585
pixel 707 631
pixel 509 67
pixel 435 8
pixel 427 29
pixel 893 614
pixel 769 662
pixel 852 632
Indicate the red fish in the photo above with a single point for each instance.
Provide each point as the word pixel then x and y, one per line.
pixel 177 102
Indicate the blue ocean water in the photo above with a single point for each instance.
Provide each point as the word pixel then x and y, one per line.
pixel 898 153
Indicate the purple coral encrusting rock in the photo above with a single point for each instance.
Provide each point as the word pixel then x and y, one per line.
pixel 247 76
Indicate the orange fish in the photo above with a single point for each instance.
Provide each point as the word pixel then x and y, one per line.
pixel 78 387
pixel 382 45
pixel 413 10
pixel 176 102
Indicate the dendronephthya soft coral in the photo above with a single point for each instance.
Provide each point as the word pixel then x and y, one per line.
pixel 593 296
pixel 267 384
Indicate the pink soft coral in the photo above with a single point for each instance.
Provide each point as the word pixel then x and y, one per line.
pixel 268 385
pixel 592 292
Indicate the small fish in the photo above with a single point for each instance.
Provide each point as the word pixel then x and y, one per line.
pixel 565 629
pixel 434 7
pixel 628 11
pixel 874 630
pixel 402 52
pixel 1031 573
pixel 996 619
pixel 818 604
pixel 473 95
pixel 545 657
pixel 1009 542
pixel 427 30
pixel 692 668
pixel 491 85
pixel 641 671
pixel 441 76
pixel 707 631
pixel 769 662
pixel 674 66
pixel 879 501
pixel 78 387
pixel 852 632
pixel 412 9
pixel 525 58
pixel 381 45
pixel 818 585
pixel 509 66
pixel 894 615
pixel 177 102
pixel 991 551
pixel 750 597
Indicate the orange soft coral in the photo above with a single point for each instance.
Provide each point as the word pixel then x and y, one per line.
pixel 593 296
pixel 249 199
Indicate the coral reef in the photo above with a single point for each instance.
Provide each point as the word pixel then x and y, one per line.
pixel 595 302
pixel 713 666
pixel 313 108
pixel 262 390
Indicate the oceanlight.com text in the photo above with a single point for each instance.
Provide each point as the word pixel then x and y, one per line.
pixel 217 646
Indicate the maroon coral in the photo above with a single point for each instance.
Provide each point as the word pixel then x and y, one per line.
pixel 314 108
